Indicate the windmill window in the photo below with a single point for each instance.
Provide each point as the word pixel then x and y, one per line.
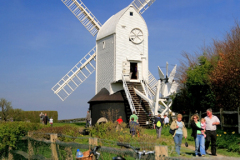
pixel 131 13
pixel 103 44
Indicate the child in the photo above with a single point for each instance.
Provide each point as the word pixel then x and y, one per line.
pixel 203 126
pixel 133 126
pixel 119 120
pixel 51 121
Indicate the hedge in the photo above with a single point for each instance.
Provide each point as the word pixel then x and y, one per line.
pixel 33 116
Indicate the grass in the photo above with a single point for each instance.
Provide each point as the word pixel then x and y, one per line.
pixel 166 139
pixel 81 124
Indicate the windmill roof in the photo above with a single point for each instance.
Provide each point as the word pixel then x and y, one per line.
pixel 103 95
pixel 109 27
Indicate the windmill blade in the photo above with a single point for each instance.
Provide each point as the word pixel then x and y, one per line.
pixel 76 76
pixel 142 5
pixel 167 69
pixel 84 15
pixel 161 75
pixel 174 87
pixel 172 74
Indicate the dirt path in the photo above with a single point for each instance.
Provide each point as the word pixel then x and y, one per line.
pixel 193 149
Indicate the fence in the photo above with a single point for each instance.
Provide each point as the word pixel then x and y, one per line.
pixel 232 121
pixel 62 147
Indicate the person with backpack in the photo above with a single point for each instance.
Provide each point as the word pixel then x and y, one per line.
pixel 158 125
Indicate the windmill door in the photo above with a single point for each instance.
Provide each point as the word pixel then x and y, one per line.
pixel 133 70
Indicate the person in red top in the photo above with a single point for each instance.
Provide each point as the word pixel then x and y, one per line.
pixel 119 120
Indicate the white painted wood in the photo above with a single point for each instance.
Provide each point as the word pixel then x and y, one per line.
pixel 114 60
pixel 84 15
pixel 76 76
pixel 105 66
pixel 142 5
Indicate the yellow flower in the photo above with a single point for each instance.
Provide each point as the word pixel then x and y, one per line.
pixel 225 132
pixel 220 135
pixel 233 132
pixel 217 135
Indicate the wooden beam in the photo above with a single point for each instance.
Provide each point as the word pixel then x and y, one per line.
pixel 53 138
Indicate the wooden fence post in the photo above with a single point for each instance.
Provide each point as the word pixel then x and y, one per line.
pixel 30 147
pixel 222 118
pixel 93 141
pixel 161 152
pixel 10 156
pixel 189 119
pixel 53 138
pixel 238 121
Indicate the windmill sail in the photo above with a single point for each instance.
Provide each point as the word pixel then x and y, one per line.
pixel 84 15
pixel 142 5
pixel 76 76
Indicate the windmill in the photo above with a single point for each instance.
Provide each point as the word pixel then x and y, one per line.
pixel 166 86
pixel 120 59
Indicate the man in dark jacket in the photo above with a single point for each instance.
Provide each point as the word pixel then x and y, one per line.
pixel 45 119
pixel 158 129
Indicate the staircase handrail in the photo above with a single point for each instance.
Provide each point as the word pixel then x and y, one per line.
pixel 129 97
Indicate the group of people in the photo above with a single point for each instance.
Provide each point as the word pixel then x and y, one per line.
pixel 44 119
pixel 203 133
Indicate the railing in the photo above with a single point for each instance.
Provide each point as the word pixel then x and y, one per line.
pixel 129 97
pixel 76 76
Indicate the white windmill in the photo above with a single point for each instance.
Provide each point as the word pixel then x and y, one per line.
pixel 166 86
pixel 120 58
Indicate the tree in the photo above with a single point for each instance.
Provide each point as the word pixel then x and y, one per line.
pixel 6 108
pixel 225 77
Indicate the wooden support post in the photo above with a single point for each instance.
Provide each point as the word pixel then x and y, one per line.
pixel 30 147
pixel 53 138
pixel 189 119
pixel 238 121
pixel 161 152
pixel 221 118
pixel 93 141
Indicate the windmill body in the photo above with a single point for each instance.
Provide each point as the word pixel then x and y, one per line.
pixel 117 52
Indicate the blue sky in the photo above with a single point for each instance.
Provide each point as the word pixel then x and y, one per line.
pixel 41 40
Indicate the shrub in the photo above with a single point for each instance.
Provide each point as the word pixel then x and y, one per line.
pixel 33 116
pixel 229 141
pixel 71 131
pixel 11 132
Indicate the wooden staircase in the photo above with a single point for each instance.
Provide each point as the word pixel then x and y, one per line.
pixel 142 107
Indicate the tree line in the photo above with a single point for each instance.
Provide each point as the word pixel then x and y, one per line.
pixel 211 78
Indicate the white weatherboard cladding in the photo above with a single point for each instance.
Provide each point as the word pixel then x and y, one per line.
pixel 128 51
pixel 105 63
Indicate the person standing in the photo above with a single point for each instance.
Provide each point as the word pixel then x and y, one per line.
pixel 41 117
pixel 133 125
pixel 88 119
pixel 119 120
pixel 166 119
pixel 211 134
pixel 45 119
pixel 158 123
pixel 198 136
pixel 51 121
pixel 134 116
pixel 180 131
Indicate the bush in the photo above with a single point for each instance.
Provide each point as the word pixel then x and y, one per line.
pixel 33 116
pixel 11 132
pixel 229 141
pixel 71 131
